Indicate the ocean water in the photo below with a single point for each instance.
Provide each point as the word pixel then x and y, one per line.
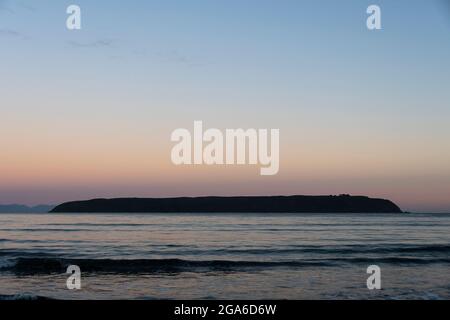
pixel 225 256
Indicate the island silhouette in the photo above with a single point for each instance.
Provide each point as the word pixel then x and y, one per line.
pixel 241 204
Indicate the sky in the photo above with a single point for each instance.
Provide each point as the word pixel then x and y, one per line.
pixel 89 113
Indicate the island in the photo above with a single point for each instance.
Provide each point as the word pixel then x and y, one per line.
pixel 241 204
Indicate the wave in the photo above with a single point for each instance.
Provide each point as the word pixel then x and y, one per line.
pixel 177 249
pixel 336 250
pixel 29 265
pixel 52 265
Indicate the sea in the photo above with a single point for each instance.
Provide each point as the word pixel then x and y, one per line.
pixel 225 256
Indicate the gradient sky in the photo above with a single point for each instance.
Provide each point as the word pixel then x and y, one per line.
pixel 89 113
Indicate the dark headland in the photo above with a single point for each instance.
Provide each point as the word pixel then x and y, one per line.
pixel 19 208
pixel 265 204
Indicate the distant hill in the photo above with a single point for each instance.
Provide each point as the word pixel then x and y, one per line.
pixel 18 208
pixel 281 204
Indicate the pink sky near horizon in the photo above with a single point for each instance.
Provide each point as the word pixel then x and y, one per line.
pixel 90 168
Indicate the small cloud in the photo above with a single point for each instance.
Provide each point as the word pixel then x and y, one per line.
pixel 102 43
pixel 117 57
pixel 176 57
pixel 141 52
pixel 8 32
pixel 12 33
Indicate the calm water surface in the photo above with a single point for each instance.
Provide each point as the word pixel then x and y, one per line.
pixel 225 256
